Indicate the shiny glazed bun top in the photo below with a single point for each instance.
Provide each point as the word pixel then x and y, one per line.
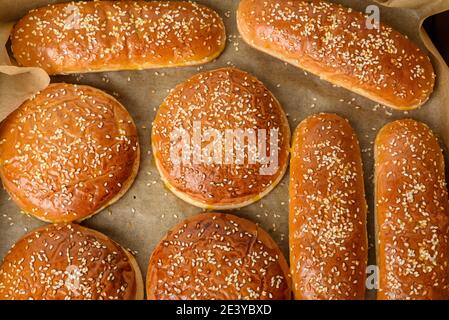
pixel 215 105
pixel 217 256
pixel 68 152
pixel 92 36
pixel 59 262
pixel 339 45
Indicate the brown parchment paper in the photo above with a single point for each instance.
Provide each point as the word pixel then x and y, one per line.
pixel 16 84
pixel 140 219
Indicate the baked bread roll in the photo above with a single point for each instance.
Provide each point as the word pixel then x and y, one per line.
pixel 328 236
pixel 69 262
pixel 68 152
pixel 78 37
pixel 214 256
pixel 412 213
pixel 335 43
pixel 221 140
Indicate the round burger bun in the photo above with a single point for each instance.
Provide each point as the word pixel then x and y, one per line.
pixel 221 99
pixel 216 256
pixel 68 152
pixel 68 261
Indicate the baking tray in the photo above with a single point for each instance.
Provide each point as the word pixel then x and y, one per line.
pixel 141 218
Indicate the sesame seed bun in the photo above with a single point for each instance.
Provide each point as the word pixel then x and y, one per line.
pixel 93 36
pixel 328 211
pixel 69 262
pixel 223 99
pixel 412 213
pixel 334 42
pixel 68 152
pixel 215 256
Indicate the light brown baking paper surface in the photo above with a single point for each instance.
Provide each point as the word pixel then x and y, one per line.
pixel 424 8
pixel 140 219
pixel 16 84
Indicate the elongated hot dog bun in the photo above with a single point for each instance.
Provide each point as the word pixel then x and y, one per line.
pixel 91 36
pixel 412 213
pixel 335 43
pixel 328 236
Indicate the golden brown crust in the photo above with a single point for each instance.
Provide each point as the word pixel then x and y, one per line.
pixel 328 236
pixel 95 36
pixel 222 99
pixel 68 262
pixel 412 213
pixel 68 152
pixel 217 256
pixel 334 43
